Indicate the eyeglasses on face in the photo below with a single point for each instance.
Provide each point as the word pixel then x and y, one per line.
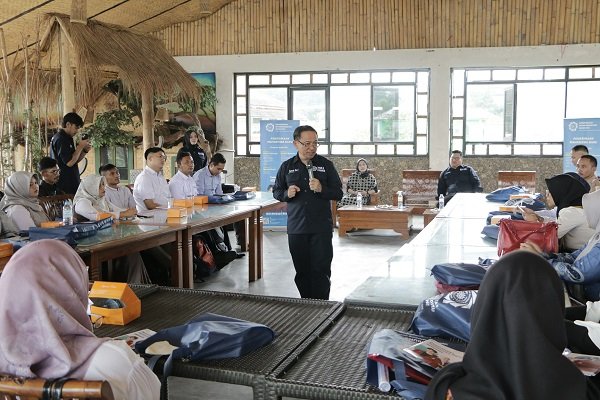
pixel 309 144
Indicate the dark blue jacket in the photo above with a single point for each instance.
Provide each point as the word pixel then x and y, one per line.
pixel 308 212
pixel 463 179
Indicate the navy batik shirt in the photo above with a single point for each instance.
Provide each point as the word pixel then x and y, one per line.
pixel 463 179
pixel 308 212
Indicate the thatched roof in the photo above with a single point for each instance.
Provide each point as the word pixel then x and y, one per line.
pixel 141 62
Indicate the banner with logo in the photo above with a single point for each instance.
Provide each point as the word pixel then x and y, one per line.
pixel 585 131
pixel 276 146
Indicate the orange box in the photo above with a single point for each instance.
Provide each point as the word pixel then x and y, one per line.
pixel 199 200
pixel 115 302
pixel 176 212
pixel 521 196
pixel 249 189
pixel 6 250
pixel 51 224
pixel 508 208
pixel 103 215
pixel 186 203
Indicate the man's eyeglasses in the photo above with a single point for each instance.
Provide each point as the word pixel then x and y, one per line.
pixel 309 144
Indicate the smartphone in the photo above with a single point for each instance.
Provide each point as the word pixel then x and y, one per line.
pixel 85 136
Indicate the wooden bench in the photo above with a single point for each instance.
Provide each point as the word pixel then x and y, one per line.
pixel 345 176
pixel 419 188
pixel 527 179
pixel 12 387
pixel 53 205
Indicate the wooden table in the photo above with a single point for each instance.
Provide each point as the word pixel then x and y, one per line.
pixel 429 215
pixel 122 239
pixel 372 217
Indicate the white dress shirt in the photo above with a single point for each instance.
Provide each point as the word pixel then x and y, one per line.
pixel 125 371
pixel 150 185
pixel 182 186
pixel 120 197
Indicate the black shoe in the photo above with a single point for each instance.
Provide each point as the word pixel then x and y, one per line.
pixel 240 255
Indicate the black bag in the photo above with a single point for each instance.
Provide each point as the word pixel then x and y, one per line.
pixel 204 261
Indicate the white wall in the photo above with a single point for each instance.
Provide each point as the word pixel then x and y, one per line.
pixel 439 61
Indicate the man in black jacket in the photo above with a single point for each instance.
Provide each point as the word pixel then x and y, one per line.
pixel 458 178
pixel 308 182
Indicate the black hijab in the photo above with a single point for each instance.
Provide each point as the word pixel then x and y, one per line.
pixel 517 339
pixel 567 190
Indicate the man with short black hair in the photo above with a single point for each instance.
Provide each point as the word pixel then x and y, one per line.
pixel 182 185
pixel 64 151
pixel 578 151
pixel 151 189
pixel 48 168
pixel 118 195
pixel 586 168
pixel 308 195
pixel 458 178
pixel 208 179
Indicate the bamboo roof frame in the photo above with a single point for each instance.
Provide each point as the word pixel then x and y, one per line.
pixel 140 61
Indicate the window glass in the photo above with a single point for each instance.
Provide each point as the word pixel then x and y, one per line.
pixel 540 112
pixel 350 119
pixel 583 99
pixel 486 112
pixel 309 108
pixel 265 103
pixel 393 113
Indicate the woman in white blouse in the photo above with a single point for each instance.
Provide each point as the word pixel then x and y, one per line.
pixel 20 201
pixel 89 200
pixel 90 203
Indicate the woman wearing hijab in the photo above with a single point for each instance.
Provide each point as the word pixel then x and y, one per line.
pixel 581 266
pixel 196 144
pixel 566 191
pixel 45 331
pixel 517 340
pixel 20 201
pixel 361 180
pixel 89 201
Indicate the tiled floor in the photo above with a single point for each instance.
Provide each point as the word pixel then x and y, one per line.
pixel 356 257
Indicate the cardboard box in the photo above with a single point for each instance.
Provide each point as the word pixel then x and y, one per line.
pixel 249 189
pixel 176 212
pixel 521 196
pixel 508 208
pixel 6 250
pixel 115 302
pixel 199 200
pixel 496 219
pixel 185 203
pixel 51 224
pixel 103 215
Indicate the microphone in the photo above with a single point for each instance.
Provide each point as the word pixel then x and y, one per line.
pixel 309 167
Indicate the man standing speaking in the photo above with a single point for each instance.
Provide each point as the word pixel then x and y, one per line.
pixel 308 182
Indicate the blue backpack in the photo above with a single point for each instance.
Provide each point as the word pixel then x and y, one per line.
pixel 502 195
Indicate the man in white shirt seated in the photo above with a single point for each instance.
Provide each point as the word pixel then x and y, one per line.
pixel 151 189
pixel 586 168
pixel 120 196
pixel 208 179
pixel 182 185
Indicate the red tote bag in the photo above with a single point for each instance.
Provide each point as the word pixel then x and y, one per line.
pixel 514 232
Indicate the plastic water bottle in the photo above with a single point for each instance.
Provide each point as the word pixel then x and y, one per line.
pixel 359 200
pixel 67 212
pixel 400 200
pixel 441 202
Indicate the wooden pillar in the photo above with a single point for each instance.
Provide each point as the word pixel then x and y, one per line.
pixel 67 79
pixel 147 119
pixel 79 11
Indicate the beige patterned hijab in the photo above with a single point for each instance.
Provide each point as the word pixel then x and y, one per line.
pixel 16 192
pixel 44 327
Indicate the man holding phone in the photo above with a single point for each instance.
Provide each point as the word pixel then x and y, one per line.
pixel 66 154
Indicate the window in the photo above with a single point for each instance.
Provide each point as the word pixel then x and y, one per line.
pixel 519 111
pixel 354 112
pixel 121 156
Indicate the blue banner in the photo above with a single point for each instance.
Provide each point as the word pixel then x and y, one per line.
pixel 585 131
pixel 276 146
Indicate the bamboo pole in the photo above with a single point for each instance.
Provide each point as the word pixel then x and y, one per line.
pixel 147 120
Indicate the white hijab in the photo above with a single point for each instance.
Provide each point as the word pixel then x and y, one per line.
pixel 591 208
pixel 89 189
